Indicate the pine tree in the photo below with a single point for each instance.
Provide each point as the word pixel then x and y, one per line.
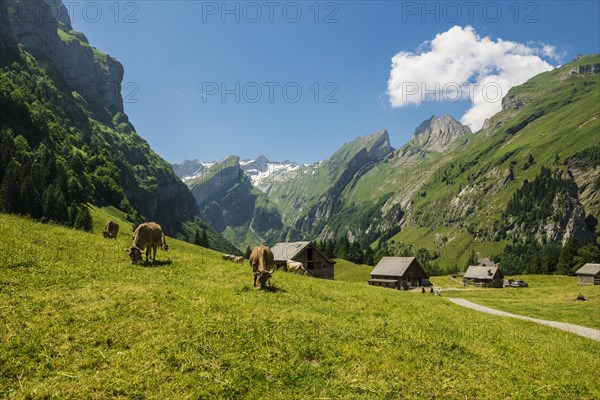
pixel 10 199
pixel 566 261
pixel 84 219
pixel 196 238
pixel 204 241
pixel 369 256
pixel 247 252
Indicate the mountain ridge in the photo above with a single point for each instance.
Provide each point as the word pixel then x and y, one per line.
pixel 368 191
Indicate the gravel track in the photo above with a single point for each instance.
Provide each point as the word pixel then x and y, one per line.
pixel 589 333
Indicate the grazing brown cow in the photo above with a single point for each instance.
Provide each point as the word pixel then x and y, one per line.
pixel 147 236
pixel 238 260
pixel 262 261
pixel 111 230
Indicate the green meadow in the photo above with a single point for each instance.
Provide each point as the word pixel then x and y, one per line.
pixel 79 321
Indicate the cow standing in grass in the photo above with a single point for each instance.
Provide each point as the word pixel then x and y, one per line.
pixel 262 261
pixel 111 230
pixel 296 267
pixel 147 236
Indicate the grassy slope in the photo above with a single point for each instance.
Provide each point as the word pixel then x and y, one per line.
pixel 348 271
pixel 547 297
pixel 79 320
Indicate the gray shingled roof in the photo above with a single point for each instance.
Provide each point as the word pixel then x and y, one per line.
pixel 589 269
pixel 392 266
pixel 481 272
pixel 287 251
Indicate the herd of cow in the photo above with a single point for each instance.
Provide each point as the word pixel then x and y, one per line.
pixel 149 236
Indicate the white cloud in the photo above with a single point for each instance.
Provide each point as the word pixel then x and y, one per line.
pixel 460 65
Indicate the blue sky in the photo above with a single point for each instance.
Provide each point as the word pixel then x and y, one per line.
pixel 179 55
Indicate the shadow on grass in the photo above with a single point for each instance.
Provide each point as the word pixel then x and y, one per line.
pixel 155 264
pixel 21 264
pixel 249 288
pixel 273 289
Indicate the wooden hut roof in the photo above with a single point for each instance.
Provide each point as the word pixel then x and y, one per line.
pixel 589 269
pixel 482 272
pixel 289 250
pixel 393 266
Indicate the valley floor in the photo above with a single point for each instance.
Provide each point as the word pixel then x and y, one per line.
pixel 79 321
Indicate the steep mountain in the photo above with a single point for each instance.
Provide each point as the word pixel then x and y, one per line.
pixel 263 172
pixel 232 205
pixel 191 169
pixel 531 174
pixel 369 183
pixel 345 167
pixel 65 138
pixel 260 170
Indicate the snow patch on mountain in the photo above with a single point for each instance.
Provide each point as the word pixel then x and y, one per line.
pixel 260 170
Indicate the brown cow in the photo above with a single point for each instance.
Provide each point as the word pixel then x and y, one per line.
pixel 262 261
pixel 238 260
pixel 111 230
pixel 147 236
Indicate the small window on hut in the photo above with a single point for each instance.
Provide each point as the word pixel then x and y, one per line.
pixel 311 265
pixel 309 254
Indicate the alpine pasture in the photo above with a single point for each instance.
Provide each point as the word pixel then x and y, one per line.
pixel 79 321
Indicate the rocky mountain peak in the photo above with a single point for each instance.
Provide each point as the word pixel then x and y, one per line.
pixel 378 144
pixel 436 133
pixel 261 160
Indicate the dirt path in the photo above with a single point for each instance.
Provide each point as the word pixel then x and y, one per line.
pixel 589 333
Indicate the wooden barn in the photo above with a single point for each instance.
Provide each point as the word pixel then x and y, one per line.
pixel 589 274
pixel 314 261
pixel 399 273
pixel 483 276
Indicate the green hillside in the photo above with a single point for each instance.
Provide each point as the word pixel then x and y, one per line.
pixel 467 198
pixel 348 271
pixel 80 321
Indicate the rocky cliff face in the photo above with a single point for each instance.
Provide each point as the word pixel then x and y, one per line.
pixel 588 69
pixel 435 134
pixel 348 164
pixel 44 29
